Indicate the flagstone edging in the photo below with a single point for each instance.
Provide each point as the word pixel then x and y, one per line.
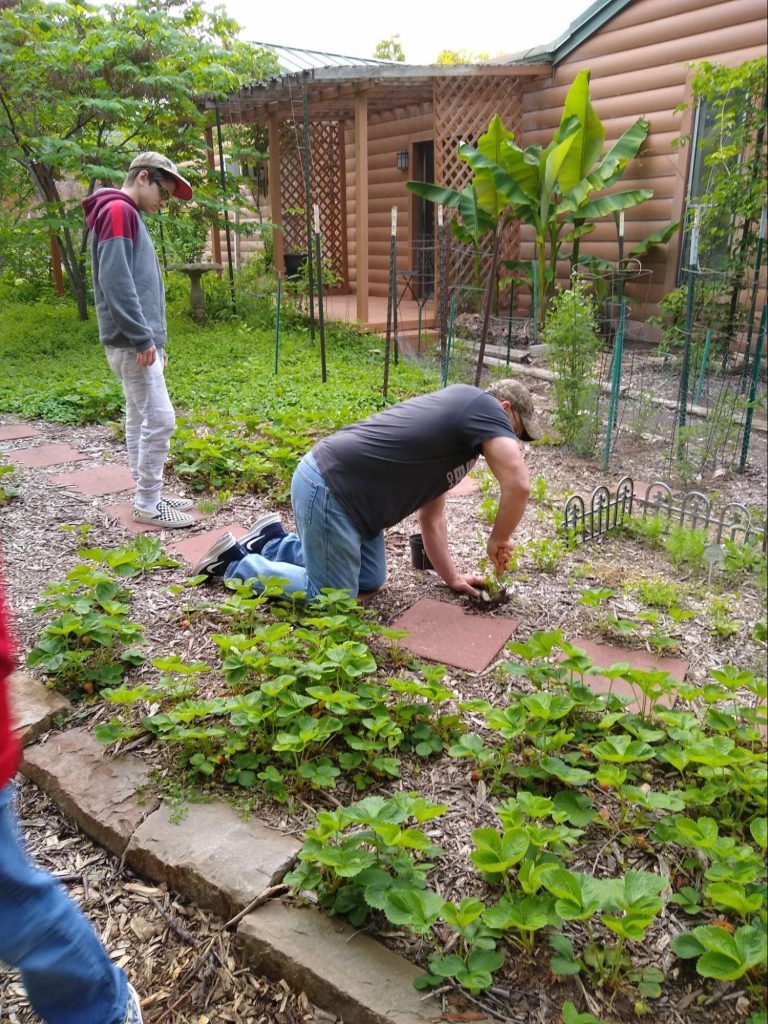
pixel 222 862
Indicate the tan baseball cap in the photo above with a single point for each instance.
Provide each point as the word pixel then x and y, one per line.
pixel 161 163
pixel 519 398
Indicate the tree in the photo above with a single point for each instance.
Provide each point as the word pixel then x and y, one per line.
pixel 83 88
pixel 389 49
pixel 450 57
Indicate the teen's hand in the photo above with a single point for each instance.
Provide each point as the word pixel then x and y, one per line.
pixel 147 357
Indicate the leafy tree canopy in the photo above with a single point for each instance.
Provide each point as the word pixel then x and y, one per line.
pixel 390 49
pixel 84 87
pixel 449 57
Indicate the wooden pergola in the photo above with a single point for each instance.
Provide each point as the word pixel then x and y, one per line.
pixel 462 100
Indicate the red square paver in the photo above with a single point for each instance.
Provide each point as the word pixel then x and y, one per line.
pixel 14 431
pixel 123 513
pixel 46 455
pixel 96 482
pixel 604 655
pixel 467 485
pixel 445 632
pixel 192 549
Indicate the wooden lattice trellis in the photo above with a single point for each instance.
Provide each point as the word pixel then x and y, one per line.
pixel 326 190
pixel 464 108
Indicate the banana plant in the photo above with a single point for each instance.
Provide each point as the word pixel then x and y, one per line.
pixel 551 187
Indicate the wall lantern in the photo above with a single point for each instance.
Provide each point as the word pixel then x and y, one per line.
pixel 402 159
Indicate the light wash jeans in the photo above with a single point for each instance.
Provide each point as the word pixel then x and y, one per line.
pixel 328 551
pixel 67 974
pixel 149 420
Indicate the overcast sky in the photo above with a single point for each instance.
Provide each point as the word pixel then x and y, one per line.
pixel 354 27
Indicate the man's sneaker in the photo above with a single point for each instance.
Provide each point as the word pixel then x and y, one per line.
pixel 133 1009
pixel 216 559
pixel 163 516
pixel 265 529
pixel 180 504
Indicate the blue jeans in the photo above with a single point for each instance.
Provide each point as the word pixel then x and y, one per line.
pixel 328 551
pixel 67 974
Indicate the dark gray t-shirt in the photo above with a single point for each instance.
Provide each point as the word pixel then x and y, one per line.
pixel 384 468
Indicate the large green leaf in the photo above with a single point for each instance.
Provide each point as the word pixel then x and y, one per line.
pixel 610 167
pixel 553 165
pixel 448 197
pixel 588 141
pixel 614 203
pixel 660 237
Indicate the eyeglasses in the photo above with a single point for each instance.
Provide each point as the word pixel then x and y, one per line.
pixel 165 195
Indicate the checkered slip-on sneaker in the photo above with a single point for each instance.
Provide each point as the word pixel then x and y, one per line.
pixel 265 529
pixel 133 1008
pixel 180 504
pixel 163 516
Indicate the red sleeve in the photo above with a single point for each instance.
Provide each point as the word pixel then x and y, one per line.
pixel 9 746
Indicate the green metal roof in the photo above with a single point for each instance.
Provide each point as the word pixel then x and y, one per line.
pixel 577 32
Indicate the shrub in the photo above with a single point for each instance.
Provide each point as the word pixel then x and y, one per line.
pixel 571 338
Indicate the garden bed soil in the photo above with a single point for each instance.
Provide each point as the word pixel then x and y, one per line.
pixel 37 550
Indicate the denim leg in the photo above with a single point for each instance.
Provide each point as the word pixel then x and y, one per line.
pixel 252 567
pixel 67 974
pixel 373 564
pixel 331 543
pixel 328 551
pixel 284 549
pixel 149 421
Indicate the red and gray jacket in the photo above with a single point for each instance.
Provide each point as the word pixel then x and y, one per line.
pixel 128 289
pixel 9 745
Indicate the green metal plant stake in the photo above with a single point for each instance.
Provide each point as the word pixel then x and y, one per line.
pixel 321 318
pixel 277 318
pixel 613 404
pixel 449 340
pixel 753 389
pixel 703 370
pixel 391 295
pixel 693 260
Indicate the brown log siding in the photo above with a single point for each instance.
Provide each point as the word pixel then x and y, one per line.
pixel 640 68
pixel 386 187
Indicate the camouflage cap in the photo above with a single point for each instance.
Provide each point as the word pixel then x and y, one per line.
pixel 156 161
pixel 519 398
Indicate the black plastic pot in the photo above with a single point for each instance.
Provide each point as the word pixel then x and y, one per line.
pixel 294 261
pixel 419 558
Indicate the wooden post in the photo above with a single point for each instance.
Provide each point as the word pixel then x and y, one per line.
pixel 58 278
pixel 215 236
pixel 275 192
pixel 361 202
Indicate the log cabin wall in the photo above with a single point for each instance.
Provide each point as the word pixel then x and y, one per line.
pixel 640 68
pixel 386 188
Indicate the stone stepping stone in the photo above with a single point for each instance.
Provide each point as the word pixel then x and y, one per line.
pixel 97 791
pixel 212 855
pixel 123 514
pixel 604 655
pixel 338 967
pixel 15 431
pixel 192 549
pixel 445 632
pixel 46 455
pixel 33 706
pixel 467 485
pixel 96 482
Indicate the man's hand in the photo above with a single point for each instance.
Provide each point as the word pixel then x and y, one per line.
pixel 500 553
pixel 147 357
pixel 464 583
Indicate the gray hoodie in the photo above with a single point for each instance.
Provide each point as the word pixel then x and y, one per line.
pixel 127 283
